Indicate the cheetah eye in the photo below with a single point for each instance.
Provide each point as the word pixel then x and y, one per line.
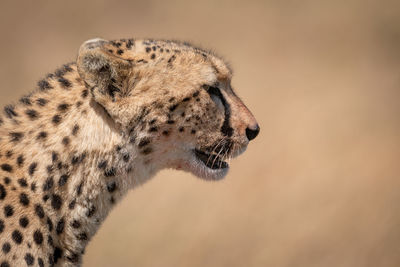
pixel 215 94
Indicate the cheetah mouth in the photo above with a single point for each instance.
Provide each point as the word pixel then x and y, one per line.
pixel 212 161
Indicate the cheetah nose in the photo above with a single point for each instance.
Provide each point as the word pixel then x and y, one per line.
pixel 252 132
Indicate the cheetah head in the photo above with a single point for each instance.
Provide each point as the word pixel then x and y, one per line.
pixel 172 101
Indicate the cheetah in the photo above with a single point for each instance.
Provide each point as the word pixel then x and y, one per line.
pixel 102 125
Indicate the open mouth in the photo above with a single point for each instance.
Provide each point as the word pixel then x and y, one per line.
pixel 212 161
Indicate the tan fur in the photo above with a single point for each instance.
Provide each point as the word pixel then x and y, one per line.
pixel 97 128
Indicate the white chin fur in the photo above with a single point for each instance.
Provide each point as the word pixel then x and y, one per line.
pixel 198 168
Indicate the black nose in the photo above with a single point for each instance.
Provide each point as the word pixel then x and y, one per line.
pixel 252 133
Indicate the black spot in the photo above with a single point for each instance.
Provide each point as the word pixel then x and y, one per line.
pixel 72 204
pixel 44 85
pixel 20 160
pixel 82 236
pixel 4 264
pixel 79 189
pixel 147 151
pixel 23 199
pixel 129 44
pixel 32 114
pixel 193 131
pixel 110 172
pixel 6 247
pixel 102 164
pixel 148 49
pixel 32 168
pixel 111 187
pixel 56 119
pixel 60 226
pixel 50 240
pixel 33 187
pixel 23 221
pixel 170 121
pixel 63 179
pixel 75 224
pixel 144 142
pixel 16 136
pixel 10 111
pixel 1 226
pixel 48 184
pixel 63 107
pixel 120 51
pixel 64 82
pixel 63 70
pixel 7 180
pixel 40 262
pixel 78 159
pixel 75 129
pixel 91 211
pixel 49 169
pixel 45 198
pixel 181 129
pixel 186 99
pixel 26 101
pixel 66 141
pixel 38 237
pixel 39 211
pixel 173 107
pixel 42 102
pixel 74 258
pixel 57 254
pixel 42 135
pixel 153 129
pixel 9 154
pixel 8 211
pixel 171 59
pixel 49 224
pixel 153 56
pixel 29 259
pixel 166 133
pixel 3 192
pixel 195 94
pixel 56 201
pixel 54 156
pixel 22 182
pixel 17 236
pixel 85 93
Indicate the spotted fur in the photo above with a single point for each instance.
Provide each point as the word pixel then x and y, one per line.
pixel 100 126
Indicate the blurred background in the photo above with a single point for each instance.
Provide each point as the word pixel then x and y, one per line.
pixel 320 186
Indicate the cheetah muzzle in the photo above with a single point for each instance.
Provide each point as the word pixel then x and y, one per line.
pixel 100 126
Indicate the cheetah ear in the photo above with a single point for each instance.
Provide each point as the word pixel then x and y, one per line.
pixel 102 69
pixel 105 73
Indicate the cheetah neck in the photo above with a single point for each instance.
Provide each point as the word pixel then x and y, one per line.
pixel 72 159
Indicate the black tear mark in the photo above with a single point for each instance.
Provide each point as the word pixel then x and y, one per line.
pixel 226 128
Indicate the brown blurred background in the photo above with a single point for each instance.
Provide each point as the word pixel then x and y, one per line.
pixel 319 187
